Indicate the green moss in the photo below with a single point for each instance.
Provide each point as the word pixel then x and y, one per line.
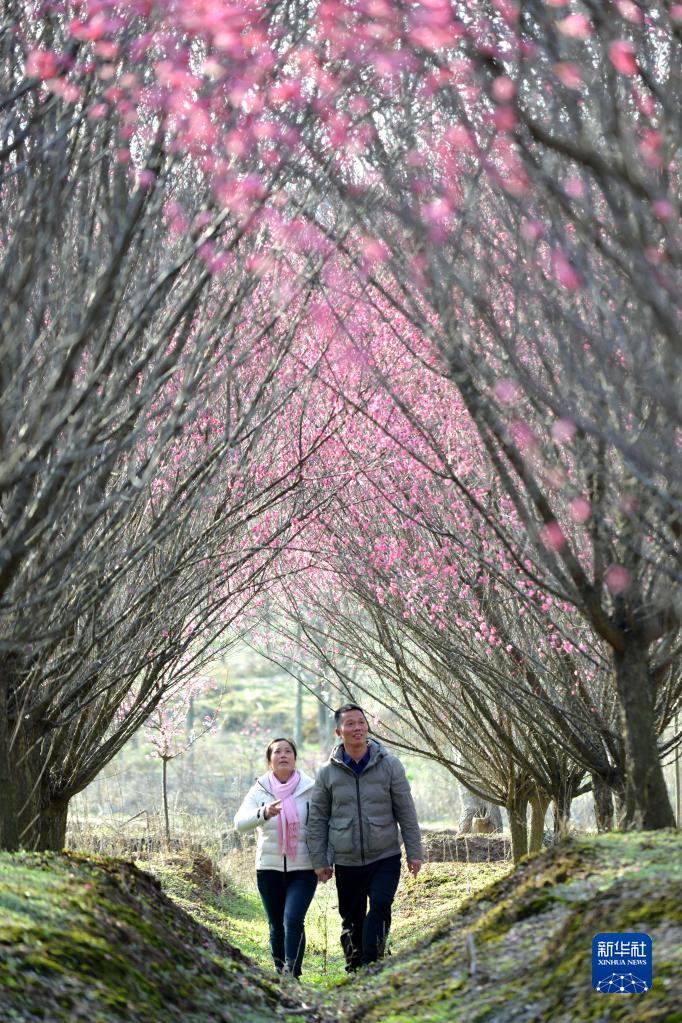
pixel 98 940
pixel 521 950
pixel 95 939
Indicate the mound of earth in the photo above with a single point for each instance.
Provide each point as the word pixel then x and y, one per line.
pixel 441 846
pixel 97 940
pixel 521 951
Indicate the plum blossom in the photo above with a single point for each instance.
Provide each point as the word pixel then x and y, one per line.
pixel 622 56
pixel 617 579
pixel 42 64
pixel 580 509
pixel 575 26
pixel 553 536
pixel 563 431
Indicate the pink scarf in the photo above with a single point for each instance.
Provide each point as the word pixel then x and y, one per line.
pixel 288 823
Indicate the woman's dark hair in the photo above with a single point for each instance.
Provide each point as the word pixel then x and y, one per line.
pixel 338 714
pixel 281 738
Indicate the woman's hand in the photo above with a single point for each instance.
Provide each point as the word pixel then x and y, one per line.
pixel 272 810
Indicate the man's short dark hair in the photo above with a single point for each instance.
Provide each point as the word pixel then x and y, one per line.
pixel 338 714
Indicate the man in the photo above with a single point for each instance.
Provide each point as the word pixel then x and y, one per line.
pixel 360 797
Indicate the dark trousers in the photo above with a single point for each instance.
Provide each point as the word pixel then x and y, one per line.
pixel 286 896
pixel 364 934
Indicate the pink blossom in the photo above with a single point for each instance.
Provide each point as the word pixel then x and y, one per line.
pixel 617 579
pixel 507 391
pixel 532 230
pixel 553 536
pixel 146 177
pixel 97 110
pixel 505 119
pixel 574 187
pixel 523 436
pixel 563 431
pixel 569 75
pixel 106 49
pixel 630 11
pixel 42 64
pixel 503 89
pixel 437 216
pixel 622 56
pixel 580 509
pixel 645 102
pixel 650 147
pixel 373 251
pixel 654 256
pixel 68 91
pixel 90 30
pixel 663 209
pixel 564 271
pixel 575 26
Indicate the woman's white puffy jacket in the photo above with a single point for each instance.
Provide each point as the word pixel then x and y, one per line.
pixel 250 816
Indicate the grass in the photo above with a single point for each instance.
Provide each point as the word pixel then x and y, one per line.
pixel 98 940
pixel 521 950
pixel 231 908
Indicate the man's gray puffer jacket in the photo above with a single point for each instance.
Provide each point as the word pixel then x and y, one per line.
pixel 354 818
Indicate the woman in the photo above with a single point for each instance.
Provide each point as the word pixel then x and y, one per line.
pixel 278 806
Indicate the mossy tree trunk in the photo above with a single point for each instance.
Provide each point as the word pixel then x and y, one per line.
pixel 539 804
pixel 647 801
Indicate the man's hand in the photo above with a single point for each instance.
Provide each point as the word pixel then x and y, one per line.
pixel 414 866
pixel 324 873
pixel 272 810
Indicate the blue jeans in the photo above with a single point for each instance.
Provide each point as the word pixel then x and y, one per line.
pixel 363 934
pixel 286 896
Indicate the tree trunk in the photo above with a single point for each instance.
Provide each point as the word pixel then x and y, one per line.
pixel 538 808
pixel 620 805
pixel 28 796
pixel 518 828
pixel 562 815
pixel 52 827
pixel 9 831
pixel 517 811
pixel 602 795
pixel 648 804
pixel 164 797
pixel 474 806
pixel 31 815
